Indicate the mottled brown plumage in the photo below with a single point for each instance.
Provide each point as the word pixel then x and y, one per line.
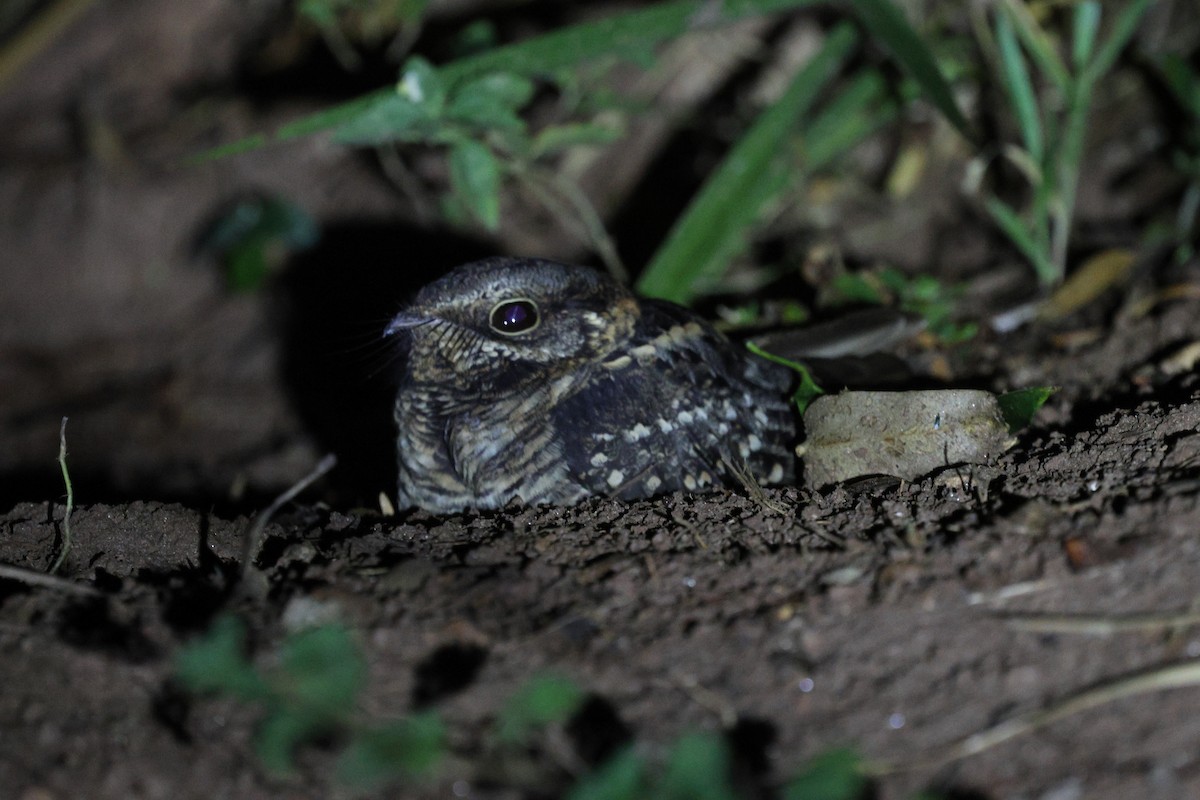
pixel 546 383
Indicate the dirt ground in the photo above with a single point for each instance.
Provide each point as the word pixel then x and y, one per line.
pixel 893 617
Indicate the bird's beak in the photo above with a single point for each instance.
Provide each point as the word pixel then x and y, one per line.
pixel 405 320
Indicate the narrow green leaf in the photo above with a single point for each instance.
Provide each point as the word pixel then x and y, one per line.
pixel 806 391
pixel 854 113
pixel 625 33
pixel 1018 407
pixel 1037 43
pixel 1083 36
pixel 541 701
pixel 1183 82
pixel 888 25
pixel 475 181
pixel 715 224
pixel 1020 89
pixel 836 775
pixel 1020 236
pixel 1123 30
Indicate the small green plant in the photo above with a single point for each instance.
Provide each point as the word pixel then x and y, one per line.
pixel 544 700
pixel 311 691
pixel 472 108
pixel 1052 124
pixel 696 768
pixel 923 295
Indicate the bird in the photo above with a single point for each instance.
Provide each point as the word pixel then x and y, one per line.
pixel 530 381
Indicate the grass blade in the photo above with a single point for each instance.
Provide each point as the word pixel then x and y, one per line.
pixel 887 24
pixel 1123 30
pixel 855 113
pixel 1020 236
pixel 1020 89
pixel 1083 36
pixel 716 222
pixel 1037 43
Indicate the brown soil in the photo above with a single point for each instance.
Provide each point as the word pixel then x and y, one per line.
pixel 880 615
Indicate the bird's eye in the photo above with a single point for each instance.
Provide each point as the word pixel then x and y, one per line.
pixel 514 316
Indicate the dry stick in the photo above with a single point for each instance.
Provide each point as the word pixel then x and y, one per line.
pixel 253 538
pixel 62 463
pixel 1171 677
pixel 1099 624
pixel 34 578
pixel 37 36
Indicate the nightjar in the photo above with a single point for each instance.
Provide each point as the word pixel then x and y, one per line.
pixel 546 383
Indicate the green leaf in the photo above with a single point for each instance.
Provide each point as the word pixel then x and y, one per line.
pixel 1040 48
pixel 1020 89
pixel 281 733
pixel 1020 236
pixel 475 181
pixel 619 778
pixel 888 25
pixel 491 102
pixel 1123 30
pixel 716 223
pixel 1183 82
pixel 854 113
pixel 409 748
pixel 546 55
pixel 1018 407
pixel 697 769
pixel 322 670
pixel 836 775
pixel 807 391
pixel 390 118
pixel 543 700
pixel 215 662
pixel 858 287
pixel 1083 37
pixel 562 137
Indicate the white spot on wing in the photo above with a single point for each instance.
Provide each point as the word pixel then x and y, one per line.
pixel 637 432
pixel 616 478
pixel 599 460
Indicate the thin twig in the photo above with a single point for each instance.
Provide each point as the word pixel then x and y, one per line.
pixel 1174 676
pixel 39 34
pixel 34 578
pixel 253 540
pixel 66 523
pixel 1099 624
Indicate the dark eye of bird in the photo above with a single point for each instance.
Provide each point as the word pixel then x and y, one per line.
pixel 514 316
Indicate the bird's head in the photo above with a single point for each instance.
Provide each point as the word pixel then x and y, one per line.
pixel 495 324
